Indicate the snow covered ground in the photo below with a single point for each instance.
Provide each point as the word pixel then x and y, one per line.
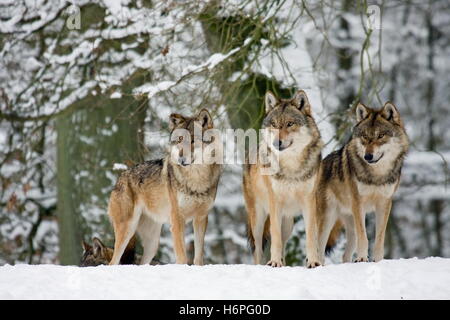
pixel 389 279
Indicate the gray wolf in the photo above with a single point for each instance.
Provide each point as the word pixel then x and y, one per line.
pixel 172 190
pixel 99 254
pixel 294 142
pixel 362 177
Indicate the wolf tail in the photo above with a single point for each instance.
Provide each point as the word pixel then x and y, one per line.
pixel 334 236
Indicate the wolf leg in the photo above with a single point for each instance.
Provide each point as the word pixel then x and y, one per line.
pixel 362 244
pixel 177 228
pixel 149 231
pixel 257 227
pixel 286 230
pixel 199 223
pixel 256 218
pixel 312 237
pixel 123 231
pixel 179 246
pixel 382 212
pixel 324 226
pixel 350 238
pixel 275 215
pixel 276 245
pixel 325 223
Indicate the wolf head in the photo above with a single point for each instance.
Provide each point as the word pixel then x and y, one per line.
pixel 95 255
pixel 187 136
pixel 99 254
pixel 289 122
pixel 379 135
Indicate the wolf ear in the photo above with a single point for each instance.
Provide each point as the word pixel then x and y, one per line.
pixel 205 119
pixel 361 112
pixel 98 247
pixel 302 102
pixel 270 101
pixel 390 113
pixel 174 120
pixel 86 246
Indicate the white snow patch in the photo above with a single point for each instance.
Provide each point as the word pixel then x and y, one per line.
pixel 151 90
pixel 388 279
pixel 120 166
pixel 116 95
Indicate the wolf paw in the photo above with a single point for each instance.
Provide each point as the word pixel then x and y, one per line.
pixel 312 264
pixel 362 259
pixel 275 264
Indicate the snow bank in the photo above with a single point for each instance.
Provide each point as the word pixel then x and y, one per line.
pixel 389 279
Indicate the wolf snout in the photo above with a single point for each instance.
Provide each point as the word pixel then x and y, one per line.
pixel 279 145
pixel 368 157
pixel 182 161
pixel 371 159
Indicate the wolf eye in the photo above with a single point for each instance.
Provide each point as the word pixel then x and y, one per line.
pixel 290 124
pixel 381 135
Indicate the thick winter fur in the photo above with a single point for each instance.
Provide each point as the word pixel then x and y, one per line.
pixel 273 200
pixel 170 190
pixel 362 177
pixel 99 254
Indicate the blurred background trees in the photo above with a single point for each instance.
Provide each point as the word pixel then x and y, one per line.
pixel 75 99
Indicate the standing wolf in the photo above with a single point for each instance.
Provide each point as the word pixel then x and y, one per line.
pixel 173 189
pixel 362 177
pixel 293 140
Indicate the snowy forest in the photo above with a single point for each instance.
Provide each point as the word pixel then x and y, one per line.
pixel 88 86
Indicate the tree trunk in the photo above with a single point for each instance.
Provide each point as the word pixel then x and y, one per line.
pixel 345 64
pixel 89 142
pixel 436 205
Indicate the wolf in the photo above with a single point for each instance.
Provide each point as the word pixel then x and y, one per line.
pixel 171 190
pixel 362 177
pixel 99 254
pixel 293 140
